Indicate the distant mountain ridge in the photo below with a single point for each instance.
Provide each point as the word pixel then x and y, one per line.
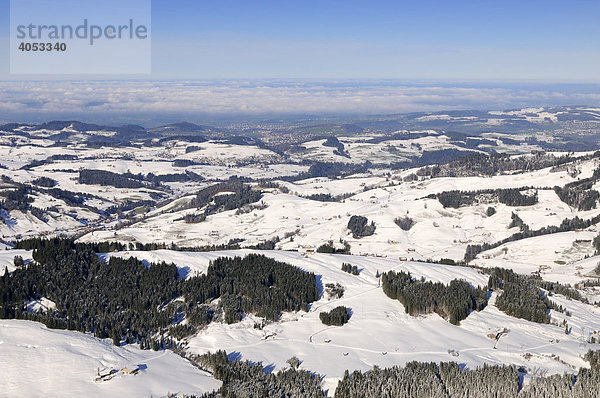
pixel 568 128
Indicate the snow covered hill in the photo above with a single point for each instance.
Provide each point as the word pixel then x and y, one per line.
pixel 438 232
pixel 206 193
pixel 37 361
pixel 380 332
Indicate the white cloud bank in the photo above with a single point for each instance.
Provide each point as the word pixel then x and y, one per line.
pixel 57 99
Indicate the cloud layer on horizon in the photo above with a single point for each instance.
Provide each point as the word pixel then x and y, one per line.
pixel 43 100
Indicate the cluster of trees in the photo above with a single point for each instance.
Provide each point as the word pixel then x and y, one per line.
pixel 455 199
pixel 326 197
pixel 349 268
pixel 120 297
pixel 44 182
pixel 105 247
pixel 247 379
pixel 334 169
pixel 268 244
pixel 360 226
pixel 510 197
pixel 186 162
pixel 35 163
pixel 254 283
pixel 334 142
pixel 193 218
pixel 70 198
pixel 450 380
pixel 514 197
pixel 335 291
pixel 16 199
pixel 20 197
pixel 108 178
pixel 127 205
pixel 336 317
pixel 321 197
pixel 520 297
pixel 240 194
pixel 330 170
pixel 126 298
pixel 405 223
pixel 428 380
pixel 596 243
pixel 579 194
pixel 174 177
pixel 516 221
pixel 98 247
pixel 558 288
pixel 585 384
pixel 331 249
pixel 18 261
pixel 251 207
pixel 454 301
pixel 593 357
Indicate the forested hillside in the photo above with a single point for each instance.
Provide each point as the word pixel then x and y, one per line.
pixel 125 298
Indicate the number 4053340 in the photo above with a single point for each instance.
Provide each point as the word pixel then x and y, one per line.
pixel 43 46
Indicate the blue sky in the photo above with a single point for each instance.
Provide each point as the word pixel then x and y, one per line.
pixel 265 57
pixel 424 40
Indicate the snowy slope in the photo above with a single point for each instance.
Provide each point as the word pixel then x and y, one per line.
pixel 560 257
pixel 7 258
pixel 37 361
pixel 438 232
pixel 379 331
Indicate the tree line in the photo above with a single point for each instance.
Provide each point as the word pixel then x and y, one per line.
pixel 349 268
pixel 481 164
pixel 450 380
pixel 247 379
pixel 108 178
pixel 508 196
pixel 568 224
